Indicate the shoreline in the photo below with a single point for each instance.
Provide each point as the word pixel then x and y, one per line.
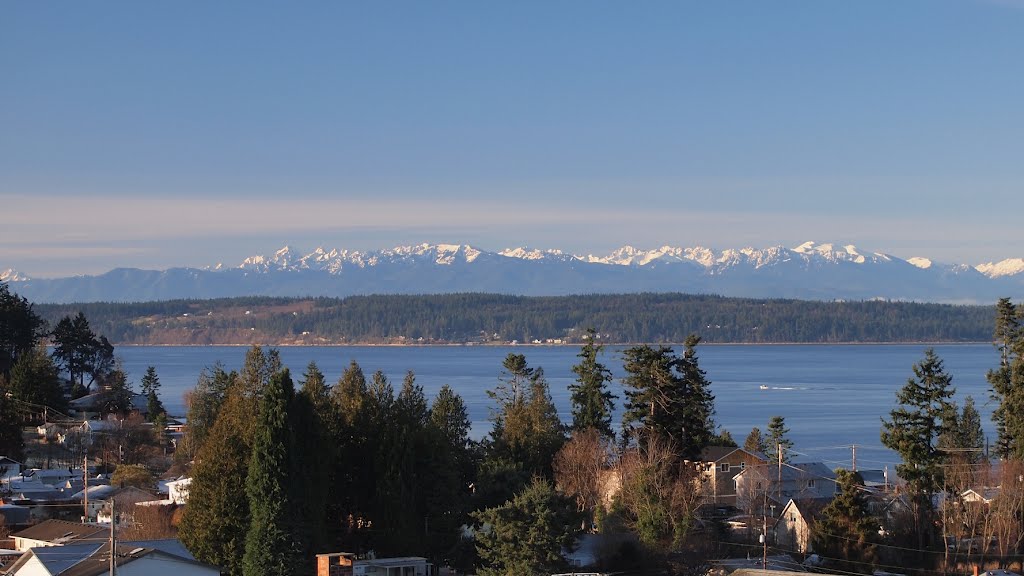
pixel 530 345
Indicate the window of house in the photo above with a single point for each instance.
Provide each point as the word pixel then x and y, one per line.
pixel 723 467
pixel 810 483
pixel 743 465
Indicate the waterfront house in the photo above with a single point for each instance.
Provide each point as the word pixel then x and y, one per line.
pixel 721 465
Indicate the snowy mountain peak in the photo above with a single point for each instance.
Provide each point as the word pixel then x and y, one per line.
pixel 922 263
pixel 12 275
pixel 807 255
pixel 1008 267
pixel 525 253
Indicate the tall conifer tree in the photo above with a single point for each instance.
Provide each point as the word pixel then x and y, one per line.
pixel 216 520
pixel 913 430
pixel 592 403
pixel 668 397
pixel 270 546
pixel 777 440
pixel 1007 381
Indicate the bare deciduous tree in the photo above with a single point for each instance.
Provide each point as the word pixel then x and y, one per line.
pixel 578 467
pixel 660 492
pixel 151 523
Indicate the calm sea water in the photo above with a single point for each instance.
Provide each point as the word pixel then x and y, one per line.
pixel 832 397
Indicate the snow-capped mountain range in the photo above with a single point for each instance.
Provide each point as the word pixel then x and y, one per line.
pixel 807 271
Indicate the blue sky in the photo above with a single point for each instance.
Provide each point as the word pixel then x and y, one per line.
pixel 190 133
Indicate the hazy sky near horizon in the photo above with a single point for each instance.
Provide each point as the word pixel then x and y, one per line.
pixel 189 133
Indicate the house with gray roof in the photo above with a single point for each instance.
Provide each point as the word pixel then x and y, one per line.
pixel 772 486
pixel 93 559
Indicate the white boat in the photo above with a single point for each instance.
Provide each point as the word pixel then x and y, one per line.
pixel 764 386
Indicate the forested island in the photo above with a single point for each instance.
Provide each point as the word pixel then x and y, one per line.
pixel 502 319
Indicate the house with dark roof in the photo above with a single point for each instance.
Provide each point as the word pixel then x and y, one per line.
pixel 93 559
pixel 58 533
pixel 721 465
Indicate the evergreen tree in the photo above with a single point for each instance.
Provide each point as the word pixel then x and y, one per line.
pixel 11 442
pixel 527 429
pixel 20 328
pixel 510 392
pixel 923 415
pixel 450 466
pixel 353 486
pixel 527 534
pixel 449 415
pixel 669 397
pixel 847 530
pixel 963 439
pixel 723 438
pixel 314 456
pixel 1007 381
pixel 755 442
pixel 777 440
pixel 151 390
pixel 215 522
pixel 118 399
pixel 259 367
pixel 270 545
pixel 81 352
pixel 204 403
pixel 36 380
pixel 592 403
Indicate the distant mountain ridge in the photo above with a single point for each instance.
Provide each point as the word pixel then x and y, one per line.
pixel 809 271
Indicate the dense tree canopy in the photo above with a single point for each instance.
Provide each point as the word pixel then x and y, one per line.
pixel 81 352
pixel 527 534
pixel 617 318
pixel 669 397
pixel 20 328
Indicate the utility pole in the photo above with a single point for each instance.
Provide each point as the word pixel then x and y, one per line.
pixel 764 540
pixel 113 541
pixel 85 491
pixel 778 450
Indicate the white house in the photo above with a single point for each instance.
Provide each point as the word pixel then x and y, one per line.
pixel 177 490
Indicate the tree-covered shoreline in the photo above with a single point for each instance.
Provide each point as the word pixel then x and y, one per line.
pixel 498 319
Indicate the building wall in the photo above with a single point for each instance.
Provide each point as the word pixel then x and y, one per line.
pixel 722 485
pixel 793 532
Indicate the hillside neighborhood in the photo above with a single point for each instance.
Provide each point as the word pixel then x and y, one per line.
pixel 263 476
